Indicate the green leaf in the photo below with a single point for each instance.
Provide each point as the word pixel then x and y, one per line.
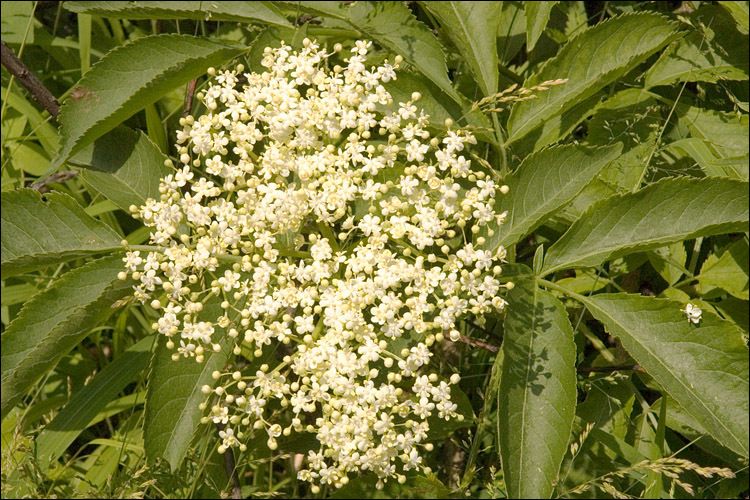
pixel 123 166
pixel 55 321
pixel 86 404
pixel 16 294
pixel 728 271
pixel 129 78
pixel 472 26
pixel 557 128
pixel 174 393
pixel 392 25
pixel 173 396
pixel 365 486
pixel 326 8
pixel 695 59
pixel 668 211
pixel 262 12
pixel 632 118
pixel 703 367
pixel 511 32
pixel 737 167
pixel 590 61
pixel 537 391
pixel 726 132
pixel 537 17
pixel 545 182
pixel 739 11
pixel 681 421
pixel 737 311
pixel 577 18
pixel 434 104
pixel 38 233
pixel 669 262
pixel 17 16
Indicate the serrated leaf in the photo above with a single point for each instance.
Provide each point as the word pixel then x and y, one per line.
pixel 545 182
pixel 131 77
pixel 669 262
pixel 681 421
pixel 38 233
pixel 671 210
pixel 590 61
pixel 55 321
pixel 123 166
pixel 172 399
pixel 703 367
pixel 737 167
pixel 537 17
pixel 434 104
pixel 557 128
pixel 394 26
pixel 726 132
pixel 472 26
pixel 86 404
pixel 264 12
pixel 174 393
pixel 739 11
pixel 537 391
pixel 694 59
pixel 728 271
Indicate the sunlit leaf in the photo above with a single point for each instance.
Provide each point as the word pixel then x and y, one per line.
pixel 37 232
pixel 55 321
pixel 537 391
pixel 703 367
pixel 131 77
pixel 592 59
pixel 668 211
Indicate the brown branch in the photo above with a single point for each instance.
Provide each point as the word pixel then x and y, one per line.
pixel 36 88
pixel 189 97
pixel 479 343
pixel 41 184
pixel 608 369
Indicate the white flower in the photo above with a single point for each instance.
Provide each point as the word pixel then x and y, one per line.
pixel 693 313
pixel 314 241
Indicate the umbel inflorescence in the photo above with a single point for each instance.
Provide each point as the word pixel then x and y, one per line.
pixel 320 233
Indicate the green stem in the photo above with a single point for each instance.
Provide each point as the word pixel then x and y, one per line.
pixel 555 286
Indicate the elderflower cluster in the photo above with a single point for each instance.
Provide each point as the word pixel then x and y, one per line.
pixel 320 232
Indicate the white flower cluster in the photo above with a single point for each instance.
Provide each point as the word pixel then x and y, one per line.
pixel 320 214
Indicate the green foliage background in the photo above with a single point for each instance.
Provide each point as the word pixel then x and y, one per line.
pixel 628 200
